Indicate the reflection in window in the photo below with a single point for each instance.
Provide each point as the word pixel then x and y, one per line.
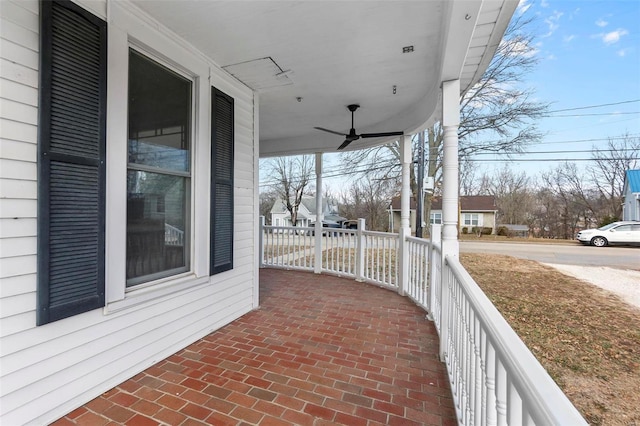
pixel 158 176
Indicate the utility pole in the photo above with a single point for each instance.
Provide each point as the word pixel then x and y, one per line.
pixel 420 191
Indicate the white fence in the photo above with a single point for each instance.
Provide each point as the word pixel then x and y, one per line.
pixel 494 378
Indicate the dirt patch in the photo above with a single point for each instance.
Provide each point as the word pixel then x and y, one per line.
pixel 587 338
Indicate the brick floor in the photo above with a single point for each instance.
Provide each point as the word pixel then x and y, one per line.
pixel 320 350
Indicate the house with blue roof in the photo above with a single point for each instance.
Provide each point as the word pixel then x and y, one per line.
pixel 631 193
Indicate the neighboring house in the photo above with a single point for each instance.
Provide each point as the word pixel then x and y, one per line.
pixel 476 211
pixel 131 133
pixel 631 194
pixel 307 212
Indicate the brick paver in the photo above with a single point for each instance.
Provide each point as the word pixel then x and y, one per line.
pixel 320 350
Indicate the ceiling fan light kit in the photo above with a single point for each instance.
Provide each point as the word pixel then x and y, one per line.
pixel 352 135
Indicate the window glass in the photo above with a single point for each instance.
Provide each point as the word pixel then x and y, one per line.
pixel 436 218
pixel 471 219
pixel 159 115
pixel 158 178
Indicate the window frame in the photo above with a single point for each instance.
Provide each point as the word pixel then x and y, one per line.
pixel 129 30
pixel 150 279
pixel 470 218
pixel 435 218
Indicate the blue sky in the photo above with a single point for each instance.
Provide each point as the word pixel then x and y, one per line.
pixel 589 54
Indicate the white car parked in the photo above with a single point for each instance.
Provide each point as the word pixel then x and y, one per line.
pixel 624 233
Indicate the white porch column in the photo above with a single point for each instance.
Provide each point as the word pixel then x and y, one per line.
pixel 317 264
pixel 450 123
pixel 405 213
pixel 450 245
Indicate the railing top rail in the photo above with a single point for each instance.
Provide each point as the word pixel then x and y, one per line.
pixel 380 234
pixel 289 227
pixel 418 240
pixel 549 404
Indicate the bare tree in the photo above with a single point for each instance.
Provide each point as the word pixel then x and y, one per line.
pixel 571 212
pixel 608 171
pixel 513 195
pixel 497 114
pixel 267 200
pixel 292 177
pixel 368 198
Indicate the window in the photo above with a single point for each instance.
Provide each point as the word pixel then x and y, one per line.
pixel 436 219
pixel 622 228
pixel 471 219
pixel 71 162
pixel 158 172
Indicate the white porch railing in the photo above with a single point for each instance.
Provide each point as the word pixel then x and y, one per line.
pixel 173 236
pixel 494 378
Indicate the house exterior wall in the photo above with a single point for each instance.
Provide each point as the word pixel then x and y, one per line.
pixel 395 221
pixel 631 206
pixel 49 370
pixel 631 194
pixel 485 220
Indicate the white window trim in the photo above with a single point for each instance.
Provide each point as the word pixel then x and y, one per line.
pixel 127 29
pixel 432 218
pixel 470 216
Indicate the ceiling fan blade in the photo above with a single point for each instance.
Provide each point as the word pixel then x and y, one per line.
pixel 344 144
pixel 329 131
pixel 380 135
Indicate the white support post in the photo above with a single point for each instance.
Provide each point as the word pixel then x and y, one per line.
pixel 360 248
pixel 436 237
pixel 317 265
pixel 450 123
pixel 405 213
pixel 450 245
pixel 261 242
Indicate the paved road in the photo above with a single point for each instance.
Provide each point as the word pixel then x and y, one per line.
pixel 615 257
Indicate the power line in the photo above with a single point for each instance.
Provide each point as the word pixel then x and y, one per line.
pixel 512 160
pixel 573 151
pixel 588 140
pixel 597 114
pixel 594 106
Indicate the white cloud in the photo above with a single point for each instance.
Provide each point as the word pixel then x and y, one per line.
pixel 622 52
pixel 568 38
pixel 553 22
pixel 601 23
pixel 544 3
pixel 614 36
pixel 523 6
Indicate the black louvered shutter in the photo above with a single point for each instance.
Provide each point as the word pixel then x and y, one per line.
pixel 221 182
pixel 71 161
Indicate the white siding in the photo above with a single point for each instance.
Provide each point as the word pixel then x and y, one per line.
pixel 49 370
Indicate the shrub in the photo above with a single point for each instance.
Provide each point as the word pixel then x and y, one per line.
pixel 503 231
pixel 465 230
pixel 487 230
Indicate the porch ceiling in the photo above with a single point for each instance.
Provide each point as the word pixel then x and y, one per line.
pixel 335 53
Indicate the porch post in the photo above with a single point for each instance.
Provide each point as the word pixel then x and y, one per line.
pixel 450 123
pixel 317 264
pixel 450 245
pixel 405 214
